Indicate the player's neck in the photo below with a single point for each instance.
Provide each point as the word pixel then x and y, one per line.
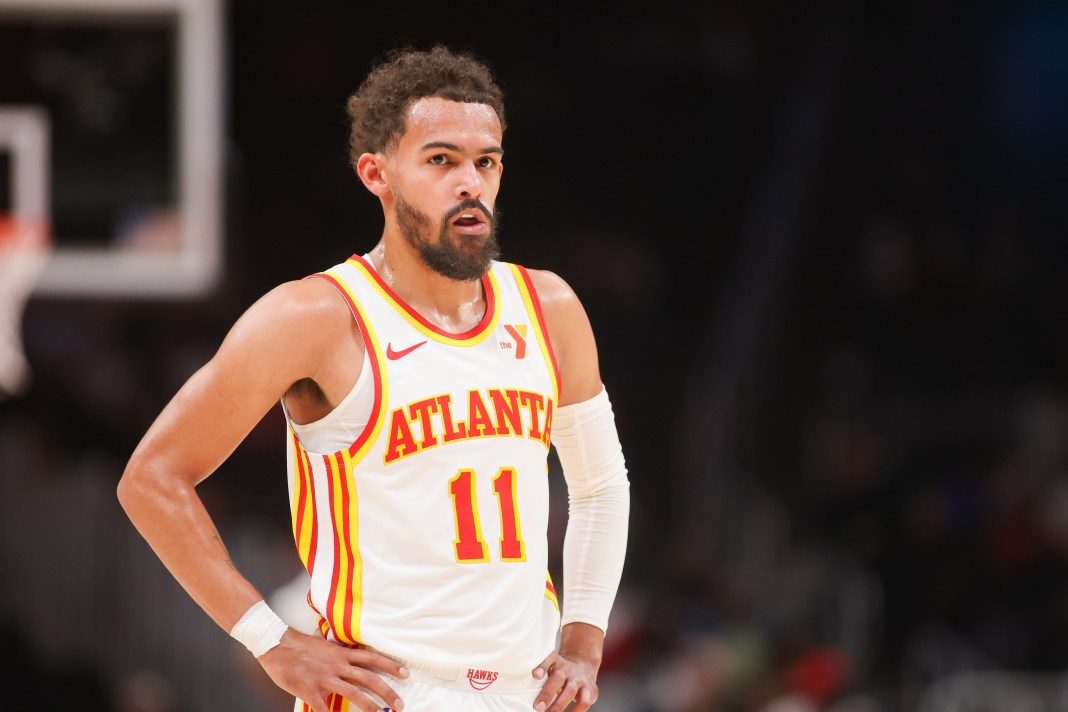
pixel 454 306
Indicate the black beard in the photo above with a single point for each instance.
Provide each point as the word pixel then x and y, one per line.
pixel 445 256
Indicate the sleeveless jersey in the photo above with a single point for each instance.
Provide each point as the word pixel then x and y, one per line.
pixel 426 538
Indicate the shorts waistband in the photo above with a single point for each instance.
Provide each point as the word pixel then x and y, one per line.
pixel 472 679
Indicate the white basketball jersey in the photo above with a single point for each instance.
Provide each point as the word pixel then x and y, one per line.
pixel 426 538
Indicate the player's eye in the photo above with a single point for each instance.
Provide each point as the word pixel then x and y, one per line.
pixel 439 159
pixel 486 162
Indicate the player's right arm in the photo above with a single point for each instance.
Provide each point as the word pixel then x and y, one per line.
pixel 294 332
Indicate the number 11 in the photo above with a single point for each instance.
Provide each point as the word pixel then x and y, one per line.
pixel 470 547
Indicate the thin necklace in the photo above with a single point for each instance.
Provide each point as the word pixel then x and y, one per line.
pixel 389 278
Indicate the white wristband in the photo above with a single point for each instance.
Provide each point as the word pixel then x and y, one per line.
pixel 260 629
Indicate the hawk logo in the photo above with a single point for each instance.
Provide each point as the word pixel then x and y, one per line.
pixel 519 333
pixel 481 679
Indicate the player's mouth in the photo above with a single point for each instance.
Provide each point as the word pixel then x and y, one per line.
pixel 470 222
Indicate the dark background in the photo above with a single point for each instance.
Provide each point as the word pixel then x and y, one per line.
pixel 822 246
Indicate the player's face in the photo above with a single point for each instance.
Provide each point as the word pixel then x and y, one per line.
pixel 446 171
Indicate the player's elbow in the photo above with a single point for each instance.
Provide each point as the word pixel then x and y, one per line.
pixel 616 491
pixel 137 487
pixel 128 488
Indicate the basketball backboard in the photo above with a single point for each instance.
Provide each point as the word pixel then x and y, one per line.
pixel 129 92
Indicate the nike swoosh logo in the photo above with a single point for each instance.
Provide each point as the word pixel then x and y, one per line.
pixel 394 355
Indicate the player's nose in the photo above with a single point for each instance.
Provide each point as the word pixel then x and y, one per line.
pixel 468 181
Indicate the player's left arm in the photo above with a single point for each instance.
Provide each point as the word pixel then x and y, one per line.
pixel 585 437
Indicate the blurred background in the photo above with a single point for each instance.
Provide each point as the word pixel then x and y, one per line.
pixel 822 245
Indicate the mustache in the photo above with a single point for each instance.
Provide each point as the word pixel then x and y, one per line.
pixel 467 205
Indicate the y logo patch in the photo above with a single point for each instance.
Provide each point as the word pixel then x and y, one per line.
pixel 518 332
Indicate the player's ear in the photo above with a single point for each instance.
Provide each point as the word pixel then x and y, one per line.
pixel 371 168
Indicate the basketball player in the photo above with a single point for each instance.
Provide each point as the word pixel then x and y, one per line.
pixel 423 383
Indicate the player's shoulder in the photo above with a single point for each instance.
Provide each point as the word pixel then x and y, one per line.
pixel 547 284
pixel 301 305
pixel 553 291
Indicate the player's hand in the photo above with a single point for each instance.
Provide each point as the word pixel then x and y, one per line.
pixel 312 669
pixel 568 678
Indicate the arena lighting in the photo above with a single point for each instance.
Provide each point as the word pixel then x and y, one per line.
pixel 176 250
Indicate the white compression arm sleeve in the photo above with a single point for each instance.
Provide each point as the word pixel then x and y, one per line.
pixel 587 443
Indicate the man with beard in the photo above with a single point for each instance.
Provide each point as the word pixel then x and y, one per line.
pixel 423 383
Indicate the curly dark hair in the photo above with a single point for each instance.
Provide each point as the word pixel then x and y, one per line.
pixel 378 109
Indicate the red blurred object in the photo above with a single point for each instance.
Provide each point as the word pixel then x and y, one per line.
pixel 820 673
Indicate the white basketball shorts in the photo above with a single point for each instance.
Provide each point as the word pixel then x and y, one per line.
pixel 430 689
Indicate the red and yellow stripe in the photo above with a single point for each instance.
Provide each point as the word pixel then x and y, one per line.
pixel 305 518
pixel 359 448
pixel 346 583
pixel 550 591
pixel 477 334
pixel 343 608
pixel 334 703
pixel 537 318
